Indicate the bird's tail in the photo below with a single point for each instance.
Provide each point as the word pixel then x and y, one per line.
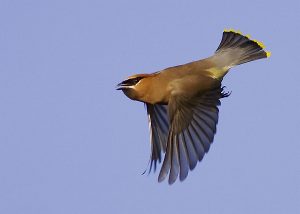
pixel 235 49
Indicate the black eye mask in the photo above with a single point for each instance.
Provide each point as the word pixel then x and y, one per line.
pixel 132 81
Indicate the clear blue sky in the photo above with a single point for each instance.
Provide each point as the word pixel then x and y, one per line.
pixel 71 143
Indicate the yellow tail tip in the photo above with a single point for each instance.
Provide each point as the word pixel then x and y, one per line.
pixel 233 31
pixel 246 35
pixel 268 53
pixel 259 43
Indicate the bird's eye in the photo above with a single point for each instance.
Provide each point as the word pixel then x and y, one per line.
pixel 134 81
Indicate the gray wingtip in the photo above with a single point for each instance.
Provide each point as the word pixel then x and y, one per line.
pixel 172 179
pixel 161 177
pixel 182 177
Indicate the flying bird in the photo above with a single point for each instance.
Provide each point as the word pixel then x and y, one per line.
pixel 182 103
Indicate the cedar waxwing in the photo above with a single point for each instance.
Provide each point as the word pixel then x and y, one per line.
pixel 182 103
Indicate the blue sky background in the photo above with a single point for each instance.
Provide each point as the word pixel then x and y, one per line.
pixel 71 143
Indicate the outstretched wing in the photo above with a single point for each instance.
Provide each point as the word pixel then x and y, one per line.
pixel 192 128
pixel 159 127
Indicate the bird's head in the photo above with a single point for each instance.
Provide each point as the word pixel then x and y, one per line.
pixel 135 86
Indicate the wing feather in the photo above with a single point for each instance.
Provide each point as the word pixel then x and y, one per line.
pixel 192 128
pixel 183 158
pixel 158 126
pixel 174 160
pixel 191 150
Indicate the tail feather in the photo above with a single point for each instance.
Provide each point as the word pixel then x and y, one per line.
pixel 230 39
pixel 236 49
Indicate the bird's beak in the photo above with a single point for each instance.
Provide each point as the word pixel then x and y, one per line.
pixel 122 85
pixel 119 86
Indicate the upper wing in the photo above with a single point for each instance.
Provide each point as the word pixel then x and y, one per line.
pixel 193 126
pixel 159 127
